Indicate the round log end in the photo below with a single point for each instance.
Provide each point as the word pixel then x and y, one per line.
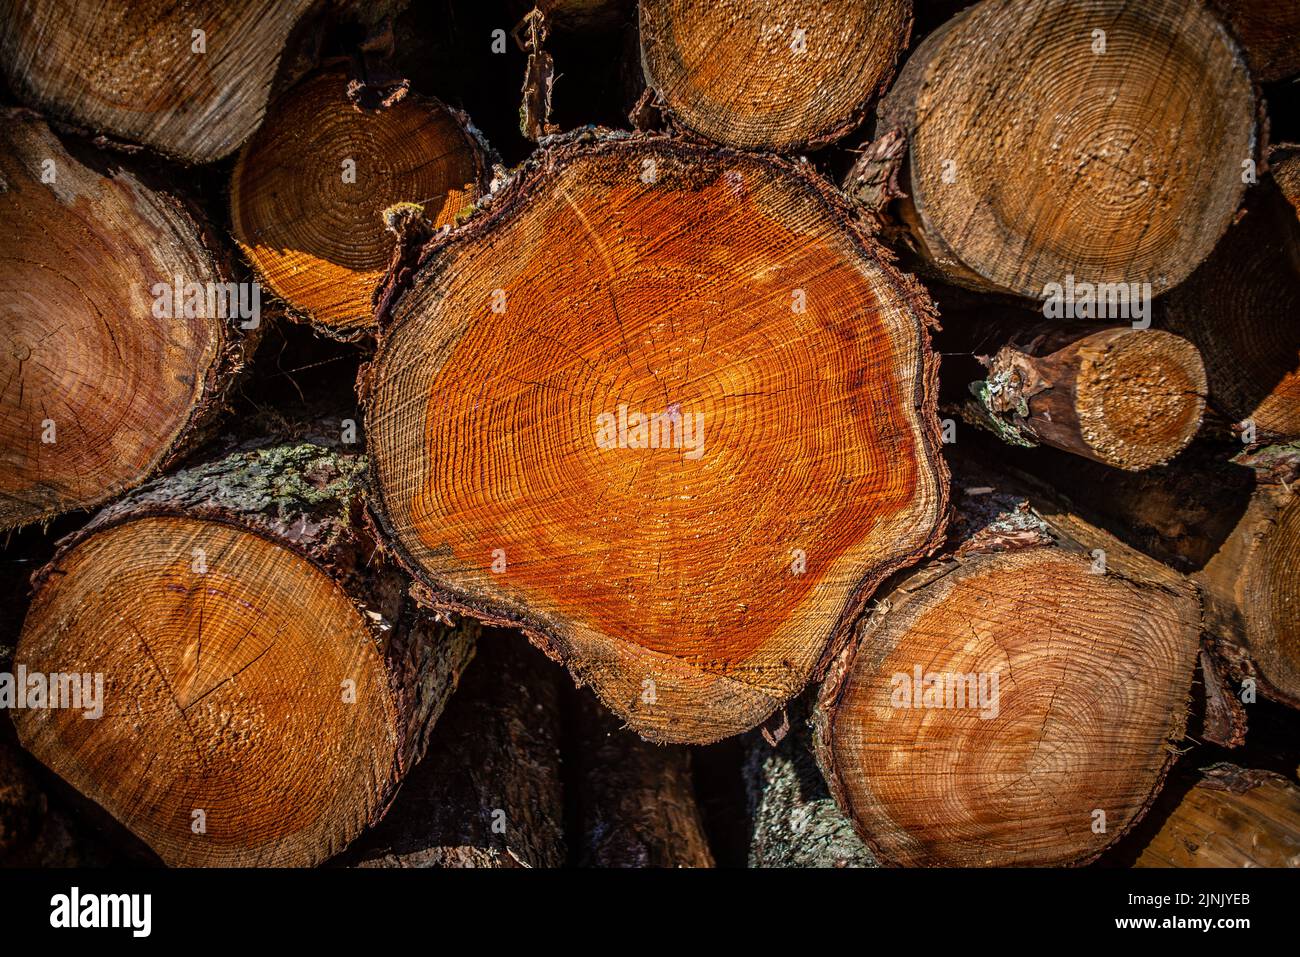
pixel 309 192
pixel 246 716
pixel 664 409
pixel 779 74
pixel 1017 711
pixel 1139 397
pixel 189 78
pixel 97 389
pixel 1050 138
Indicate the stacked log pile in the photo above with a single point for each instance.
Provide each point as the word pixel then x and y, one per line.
pixel 892 412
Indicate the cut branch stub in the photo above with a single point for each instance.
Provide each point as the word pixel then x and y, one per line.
pixel 309 192
pixel 264 682
pixel 1049 139
pixel 102 379
pixel 663 408
pixel 189 78
pixel 1131 398
pixel 779 74
pixel 1014 703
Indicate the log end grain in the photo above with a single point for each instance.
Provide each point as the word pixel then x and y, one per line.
pixel 772 75
pixel 1269 32
pixel 1048 139
pixel 595 416
pixel 309 192
pixel 190 79
pixel 1075 689
pixel 97 390
pixel 251 690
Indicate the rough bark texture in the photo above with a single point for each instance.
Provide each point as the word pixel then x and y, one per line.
pixel 776 74
pixel 794 821
pixel 1229 817
pixel 137 70
pixel 635 802
pixel 696 582
pixel 264 664
pixel 309 192
pixel 489 792
pixel 1252 584
pixel 1027 163
pixel 1095 647
pixel 1131 398
pixel 100 384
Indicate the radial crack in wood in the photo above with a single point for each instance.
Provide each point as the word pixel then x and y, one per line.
pixel 264 681
pixel 666 410
pixel 105 373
